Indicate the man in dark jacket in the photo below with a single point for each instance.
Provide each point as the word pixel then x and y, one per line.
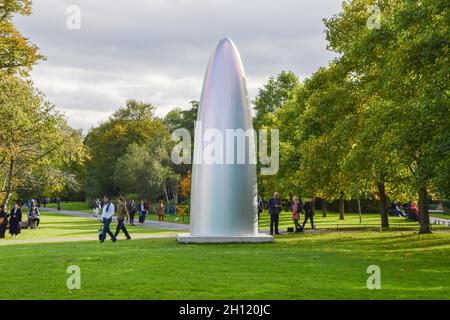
pixel 308 207
pixel 274 210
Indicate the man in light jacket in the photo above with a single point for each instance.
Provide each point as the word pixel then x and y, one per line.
pixel 107 214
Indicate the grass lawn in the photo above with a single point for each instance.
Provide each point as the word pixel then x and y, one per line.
pixel 322 265
pixel 72 206
pixel 54 225
pixel 441 215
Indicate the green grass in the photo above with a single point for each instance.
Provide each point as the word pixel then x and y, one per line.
pixel 306 266
pixel 441 215
pixel 72 206
pixel 54 225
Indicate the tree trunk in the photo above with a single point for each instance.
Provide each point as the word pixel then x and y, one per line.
pixel 359 209
pixel 341 209
pixel 175 195
pixel 165 193
pixel 324 208
pixel 424 217
pixel 9 184
pixel 383 205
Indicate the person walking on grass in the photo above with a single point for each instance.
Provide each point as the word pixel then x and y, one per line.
pixel 122 215
pixel 15 217
pixel 160 210
pixel 107 214
pixel 309 212
pixel 132 211
pixel 3 220
pixel 296 209
pixel 274 210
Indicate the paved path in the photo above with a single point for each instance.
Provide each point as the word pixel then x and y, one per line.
pixel 148 223
pixel 58 240
pixel 440 221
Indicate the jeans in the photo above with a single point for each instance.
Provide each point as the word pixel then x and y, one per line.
pixel 121 226
pixel 132 217
pixel 274 218
pixel 142 217
pixel 107 230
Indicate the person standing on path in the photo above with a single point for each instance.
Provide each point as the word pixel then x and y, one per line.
pixel 132 211
pixel 58 203
pixel 160 210
pixel 107 214
pixel 274 210
pixel 309 212
pixel 122 215
pixel 97 206
pixel 142 212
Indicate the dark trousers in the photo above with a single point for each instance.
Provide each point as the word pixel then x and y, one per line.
pixel 311 218
pixel 2 230
pixel 297 225
pixel 107 230
pixel 132 217
pixel 142 217
pixel 274 218
pixel 121 226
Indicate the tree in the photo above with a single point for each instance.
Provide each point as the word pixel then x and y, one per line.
pixel 145 171
pixel 401 66
pixel 273 95
pixel 17 54
pixel 36 145
pixel 135 123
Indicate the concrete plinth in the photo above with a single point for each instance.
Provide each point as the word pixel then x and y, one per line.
pixel 259 238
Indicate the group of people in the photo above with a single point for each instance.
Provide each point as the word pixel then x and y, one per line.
pixel 12 219
pixel 126 212
pixel 408 210
pixel 142 209
pixel 297 207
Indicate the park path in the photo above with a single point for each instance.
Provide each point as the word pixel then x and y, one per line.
pixel 59 240
pixel 149 223
pixel 441 221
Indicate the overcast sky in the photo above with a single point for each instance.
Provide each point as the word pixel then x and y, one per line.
pixel 157 50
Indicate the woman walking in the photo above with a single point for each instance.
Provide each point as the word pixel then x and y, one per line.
pixel 142 212
pixel 3 220
pixel 132 211
pixel 296 209
pixel 122 214
pixel 14 220
pixel 160 210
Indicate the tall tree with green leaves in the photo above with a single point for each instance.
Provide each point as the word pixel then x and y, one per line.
pixel 17 54
pixel 36 145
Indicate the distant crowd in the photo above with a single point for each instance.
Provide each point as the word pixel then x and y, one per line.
pixel 408 210
pixel 125 212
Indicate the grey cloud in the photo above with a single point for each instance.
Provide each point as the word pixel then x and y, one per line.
pixel 157 50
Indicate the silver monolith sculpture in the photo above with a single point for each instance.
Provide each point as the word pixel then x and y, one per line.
pixel 224 190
